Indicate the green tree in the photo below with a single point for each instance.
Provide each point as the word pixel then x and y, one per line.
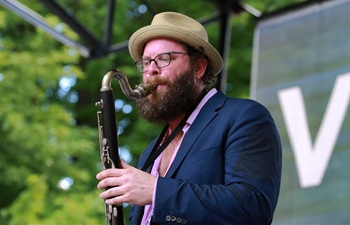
pixel 39 140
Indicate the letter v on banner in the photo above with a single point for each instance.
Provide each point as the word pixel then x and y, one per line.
pixel 312 160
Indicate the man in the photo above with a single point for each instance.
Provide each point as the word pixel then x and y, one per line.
pixel 221 162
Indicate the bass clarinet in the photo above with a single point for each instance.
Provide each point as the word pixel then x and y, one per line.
pixel 107 127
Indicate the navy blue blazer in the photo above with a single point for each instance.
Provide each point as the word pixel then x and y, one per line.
pixel 227 170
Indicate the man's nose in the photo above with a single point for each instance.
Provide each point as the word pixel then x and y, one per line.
pixel 153 68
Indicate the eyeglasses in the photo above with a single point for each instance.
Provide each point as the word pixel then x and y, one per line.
pixel 161 60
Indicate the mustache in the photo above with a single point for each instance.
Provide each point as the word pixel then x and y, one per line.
pixel 157 80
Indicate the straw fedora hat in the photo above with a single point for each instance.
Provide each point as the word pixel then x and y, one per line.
pixel 178 27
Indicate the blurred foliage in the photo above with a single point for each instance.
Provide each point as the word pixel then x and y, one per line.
pixel 48 125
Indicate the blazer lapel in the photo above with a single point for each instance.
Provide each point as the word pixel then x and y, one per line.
pixel 205 116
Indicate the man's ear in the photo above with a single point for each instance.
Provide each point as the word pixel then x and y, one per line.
pixel 201 66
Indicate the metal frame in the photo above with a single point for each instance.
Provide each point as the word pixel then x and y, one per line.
pixel 100 48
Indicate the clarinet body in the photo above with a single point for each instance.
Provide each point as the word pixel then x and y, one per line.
pixel 107 126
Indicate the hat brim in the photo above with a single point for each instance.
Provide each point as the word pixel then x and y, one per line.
pixel 138 40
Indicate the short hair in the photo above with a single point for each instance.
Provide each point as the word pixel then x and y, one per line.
pixel 209 78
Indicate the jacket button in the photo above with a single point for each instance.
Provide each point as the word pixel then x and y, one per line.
pixel 183 221
pixel 173 218
pixel 168 218
pixel 178 220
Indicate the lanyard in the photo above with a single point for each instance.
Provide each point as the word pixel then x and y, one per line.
pixel 156 151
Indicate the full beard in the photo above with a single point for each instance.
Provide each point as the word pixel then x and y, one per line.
pixel 180 97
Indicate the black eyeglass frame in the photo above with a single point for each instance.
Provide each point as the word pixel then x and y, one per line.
pixel 155 62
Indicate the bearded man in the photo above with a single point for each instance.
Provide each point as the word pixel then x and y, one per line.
pixel 218 159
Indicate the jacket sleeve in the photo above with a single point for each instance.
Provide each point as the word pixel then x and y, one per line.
pixel 251 153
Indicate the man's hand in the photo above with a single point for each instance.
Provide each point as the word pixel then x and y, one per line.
pixel 126 185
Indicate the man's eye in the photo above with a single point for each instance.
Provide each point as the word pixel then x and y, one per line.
pixel 163 58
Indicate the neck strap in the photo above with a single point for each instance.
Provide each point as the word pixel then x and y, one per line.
pixel 156 151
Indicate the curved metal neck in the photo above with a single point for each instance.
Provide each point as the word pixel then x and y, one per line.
pixel 141 90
